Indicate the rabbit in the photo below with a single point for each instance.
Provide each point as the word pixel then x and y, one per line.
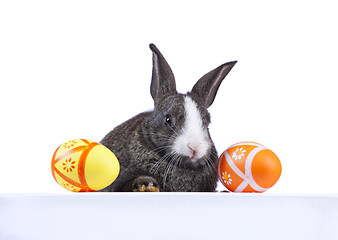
pixel 169 149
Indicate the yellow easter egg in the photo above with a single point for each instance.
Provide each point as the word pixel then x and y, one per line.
pixel 82 165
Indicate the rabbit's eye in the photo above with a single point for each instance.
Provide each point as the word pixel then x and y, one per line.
pixel 168 120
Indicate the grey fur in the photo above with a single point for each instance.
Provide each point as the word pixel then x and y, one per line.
pixel 142 144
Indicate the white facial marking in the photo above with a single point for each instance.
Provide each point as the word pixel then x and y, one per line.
pixel 193 141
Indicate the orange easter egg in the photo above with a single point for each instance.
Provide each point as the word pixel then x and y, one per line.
pixel 248 167
pixel 84 166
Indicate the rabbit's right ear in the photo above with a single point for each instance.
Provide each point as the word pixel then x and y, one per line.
pixel 208 85
pixel 163 80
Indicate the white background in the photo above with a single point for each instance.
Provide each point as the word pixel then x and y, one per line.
pixel 76 69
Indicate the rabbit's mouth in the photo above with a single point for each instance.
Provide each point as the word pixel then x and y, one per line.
pixel 192 155
pixel 192 162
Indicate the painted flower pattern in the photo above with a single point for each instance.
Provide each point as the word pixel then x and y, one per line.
pixel 238 154
pixel 69 144
pixel 226 178
pixel 69 165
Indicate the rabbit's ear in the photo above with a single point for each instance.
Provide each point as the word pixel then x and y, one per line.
pixel 207 86
pixel 163 80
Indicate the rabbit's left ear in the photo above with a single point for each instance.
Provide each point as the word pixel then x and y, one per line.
pixel 163 80
pixel 207 86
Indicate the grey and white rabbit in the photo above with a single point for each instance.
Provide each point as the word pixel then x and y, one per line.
pixel 169 148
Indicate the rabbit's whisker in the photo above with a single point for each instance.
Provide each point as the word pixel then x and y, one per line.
pixel 159 162
pixel 169 167
pixel 160 149
pixel 173 130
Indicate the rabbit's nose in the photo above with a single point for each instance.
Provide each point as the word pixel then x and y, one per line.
pixel 194 149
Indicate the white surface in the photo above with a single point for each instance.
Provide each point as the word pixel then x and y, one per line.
pixel 76 69
pixel 167 216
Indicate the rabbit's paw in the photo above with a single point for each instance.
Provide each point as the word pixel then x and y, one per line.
pixel 145 184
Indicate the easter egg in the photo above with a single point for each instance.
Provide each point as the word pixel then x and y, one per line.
pixel 248 167
pixel 84 166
